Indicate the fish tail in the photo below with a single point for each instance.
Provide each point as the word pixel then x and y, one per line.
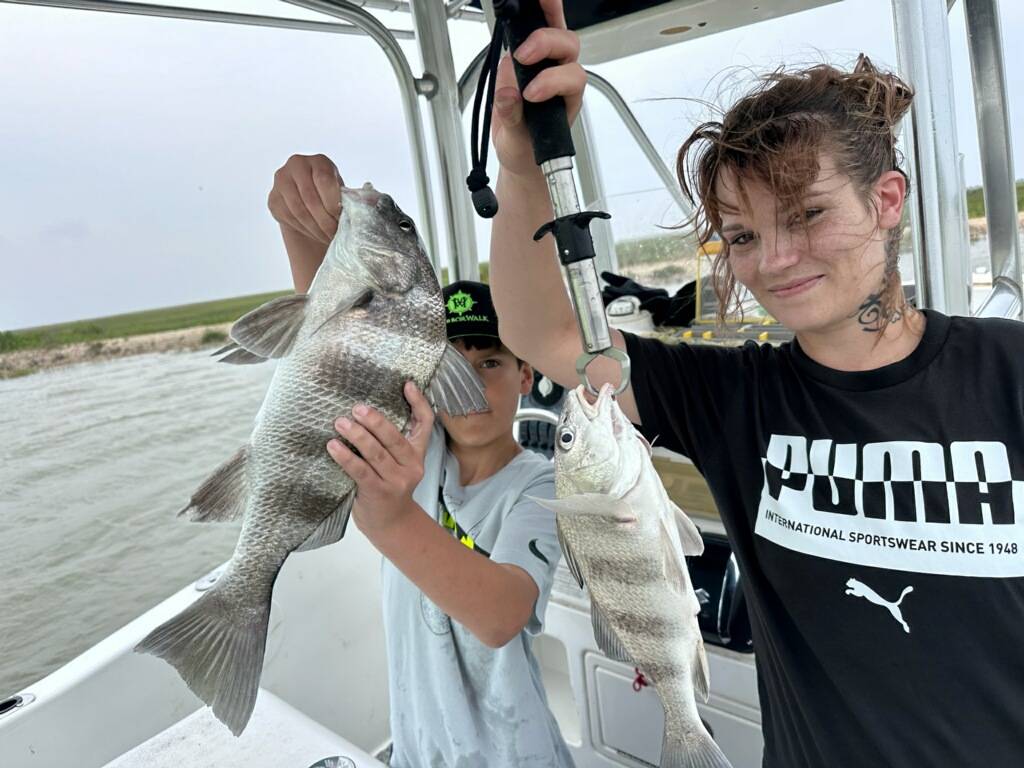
pixel 698 751
pixel 218 651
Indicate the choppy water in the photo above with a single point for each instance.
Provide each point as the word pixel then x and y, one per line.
pixel 95 460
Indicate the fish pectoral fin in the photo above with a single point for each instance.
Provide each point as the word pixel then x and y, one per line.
pixel 590 504
pixel 673 562
pixel 222 496
pixel 689 533
pixel 332 528
pixel 361 299
pixel 700 670
pixel 570 561
pixel 607 640
pixel 236 355
pixel 455 387
pixel 270 330
pixel 584 504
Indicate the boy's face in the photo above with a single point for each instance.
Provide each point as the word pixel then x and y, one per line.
pixel 504 381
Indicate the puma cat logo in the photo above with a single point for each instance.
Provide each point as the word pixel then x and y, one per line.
pixel 860 589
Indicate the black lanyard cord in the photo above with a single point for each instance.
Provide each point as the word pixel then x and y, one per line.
pixel 484 200
pixel 448 521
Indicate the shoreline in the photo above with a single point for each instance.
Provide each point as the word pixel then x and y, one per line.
pixel 25 362
pixel 978 227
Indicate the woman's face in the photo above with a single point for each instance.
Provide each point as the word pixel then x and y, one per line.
pixel 817 268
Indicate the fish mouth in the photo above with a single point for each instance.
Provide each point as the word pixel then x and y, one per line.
pixel 592 410
pixel 365 194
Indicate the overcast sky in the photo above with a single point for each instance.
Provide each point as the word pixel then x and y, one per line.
pixel 137 153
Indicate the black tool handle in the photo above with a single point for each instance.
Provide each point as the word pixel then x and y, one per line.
pixel 546 121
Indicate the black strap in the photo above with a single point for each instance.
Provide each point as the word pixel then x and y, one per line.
pixel 484 200
pixel 457 530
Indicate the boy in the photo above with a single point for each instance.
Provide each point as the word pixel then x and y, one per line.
pixel 468 557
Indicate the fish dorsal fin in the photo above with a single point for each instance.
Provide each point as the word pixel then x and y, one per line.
pixel 689 533
pixel 456 388
pixel 270 330
pixel 607 640
pixel 223 495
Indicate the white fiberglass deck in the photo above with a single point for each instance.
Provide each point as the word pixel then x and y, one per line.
pixel 277 735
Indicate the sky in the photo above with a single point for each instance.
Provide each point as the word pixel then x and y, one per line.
pixel 136 154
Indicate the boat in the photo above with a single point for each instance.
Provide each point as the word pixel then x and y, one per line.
pixel 323 698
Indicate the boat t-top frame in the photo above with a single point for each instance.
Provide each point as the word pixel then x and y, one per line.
pixel 938 207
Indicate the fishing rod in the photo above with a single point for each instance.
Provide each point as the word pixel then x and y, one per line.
pixel 553 151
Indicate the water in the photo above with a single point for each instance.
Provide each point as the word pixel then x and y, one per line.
pixel 95 460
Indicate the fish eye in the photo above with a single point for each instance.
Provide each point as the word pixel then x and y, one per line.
pixel 566 437
pixel 405 225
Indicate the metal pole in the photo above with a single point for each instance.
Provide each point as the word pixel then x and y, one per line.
pixel 922 47
pixel 985 43
pixel 594 197
pixel 636 130
pixel 431 24
pixel 202 14
pixel 409 87
pixel 469 78
pixel 455 10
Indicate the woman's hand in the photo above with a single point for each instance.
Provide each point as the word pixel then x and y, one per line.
pixel 567 79
pixel 389 465
pixel 306 197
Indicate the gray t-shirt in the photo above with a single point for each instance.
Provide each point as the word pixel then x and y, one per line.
pixel 455 703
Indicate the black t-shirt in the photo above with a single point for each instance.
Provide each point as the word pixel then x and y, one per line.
pixel 878 519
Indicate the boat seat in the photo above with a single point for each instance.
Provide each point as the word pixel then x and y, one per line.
pixel 277 735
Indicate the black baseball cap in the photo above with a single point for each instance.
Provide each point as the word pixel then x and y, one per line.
pixel 469 311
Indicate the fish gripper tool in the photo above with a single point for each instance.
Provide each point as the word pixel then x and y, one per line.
pixel 553 150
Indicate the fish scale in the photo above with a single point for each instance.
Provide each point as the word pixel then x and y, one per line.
pixel 372 320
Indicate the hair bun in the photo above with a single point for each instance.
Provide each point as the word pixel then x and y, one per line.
pixel 884 96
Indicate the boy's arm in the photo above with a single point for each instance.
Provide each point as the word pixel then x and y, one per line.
pixel 492 600
pixel 306 202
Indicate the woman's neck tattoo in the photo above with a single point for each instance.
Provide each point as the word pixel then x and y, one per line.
pixel 873 311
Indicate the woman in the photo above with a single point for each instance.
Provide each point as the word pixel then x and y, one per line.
pixel 871 473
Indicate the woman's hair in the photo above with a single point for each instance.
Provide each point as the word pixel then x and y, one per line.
pixel 773 136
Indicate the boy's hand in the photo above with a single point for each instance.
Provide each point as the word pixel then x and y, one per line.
pixel 568 79
pixel 390 465
pixel 306 197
